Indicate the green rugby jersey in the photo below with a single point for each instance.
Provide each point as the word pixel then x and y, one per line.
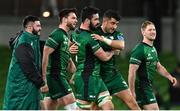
pixel 58 60
pixel 146 57
pixel 87 63
pixel 108 67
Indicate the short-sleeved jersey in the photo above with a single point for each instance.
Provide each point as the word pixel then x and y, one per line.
pixel 109 66
pixel 146 57
pixel 87 62
pixel 58 60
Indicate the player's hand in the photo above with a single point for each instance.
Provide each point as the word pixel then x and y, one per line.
pixel 173 80
pixel 73 49
pixel 97 37
pixel 116 52
pixel 44 88
pixel 71 81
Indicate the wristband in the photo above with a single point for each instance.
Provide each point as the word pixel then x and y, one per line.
pixel 107 41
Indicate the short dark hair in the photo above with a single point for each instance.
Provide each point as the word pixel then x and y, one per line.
pixel 29 18
pixel 65 13
pixel 87 12
pixel 112 14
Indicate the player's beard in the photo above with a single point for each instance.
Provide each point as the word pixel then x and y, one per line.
pixel 93 27
pixel 36 32
pixel 152 39
pixel 70 25
pixel 109 30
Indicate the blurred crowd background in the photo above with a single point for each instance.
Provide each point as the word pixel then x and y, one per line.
pixel 164 13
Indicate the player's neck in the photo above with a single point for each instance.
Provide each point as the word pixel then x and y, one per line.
pixel 64 27
pixel 149 42
pixel 84 26
pixel 103 29
pixel 28 30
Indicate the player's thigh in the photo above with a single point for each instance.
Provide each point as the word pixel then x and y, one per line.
pixel 116 84
pixel 152 106
pixel 67 99
pixel 49 104
pixel 145 96
pixel 125 95
pixel 58 87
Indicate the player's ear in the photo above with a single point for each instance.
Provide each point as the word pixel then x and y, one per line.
pixel 64 19
pixel 142 31
pixel 29 27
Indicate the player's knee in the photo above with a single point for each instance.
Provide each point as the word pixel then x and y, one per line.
pixel 108 105
pixel 153 106
pixel 132 101
pixel 104 102
pixel 84 106
pixel 71 106
pixel 49 104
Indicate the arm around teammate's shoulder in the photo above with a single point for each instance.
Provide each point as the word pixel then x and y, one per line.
pixel 102 55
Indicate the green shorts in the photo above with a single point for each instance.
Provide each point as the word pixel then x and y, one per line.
pixel 114 83
pixel 145 96
pixel 88 88
pixel 58 87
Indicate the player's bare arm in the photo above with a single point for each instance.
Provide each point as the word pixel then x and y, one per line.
pixel 131 78
pixel 166 74
pixel 46 52
pixel 117 44
pixel 102 55
pixel 71 66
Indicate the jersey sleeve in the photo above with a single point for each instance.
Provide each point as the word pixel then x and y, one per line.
pixel 94 45
pixel 54 40
pixel 119 36
pixel 136 56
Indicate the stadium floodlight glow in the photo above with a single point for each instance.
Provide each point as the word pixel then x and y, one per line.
pixel 46 14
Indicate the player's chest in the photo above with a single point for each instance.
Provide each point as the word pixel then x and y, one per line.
pixel 151 56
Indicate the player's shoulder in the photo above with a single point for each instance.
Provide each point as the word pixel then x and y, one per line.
pixel 77 31
pixel 117 32
pixel 98 30
pixel 118 35
pixel 57 31
pixel 138 48
pixel 85 33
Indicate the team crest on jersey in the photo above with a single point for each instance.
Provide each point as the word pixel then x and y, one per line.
pixel 66 40
pixel 120 37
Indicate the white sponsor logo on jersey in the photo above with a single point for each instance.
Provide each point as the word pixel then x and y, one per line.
pixel 111 37
pixel 152 99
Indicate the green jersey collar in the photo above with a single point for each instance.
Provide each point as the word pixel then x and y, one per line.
pixel 63 31
pixel 32 36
